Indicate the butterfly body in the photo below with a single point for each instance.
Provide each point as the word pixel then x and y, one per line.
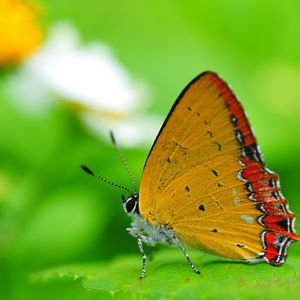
pixel 151 235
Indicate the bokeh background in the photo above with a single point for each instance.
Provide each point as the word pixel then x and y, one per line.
pixel 55 114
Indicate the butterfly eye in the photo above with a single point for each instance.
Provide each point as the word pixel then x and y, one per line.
pixel 130 205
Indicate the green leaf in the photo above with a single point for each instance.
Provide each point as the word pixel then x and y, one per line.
pixel 170 277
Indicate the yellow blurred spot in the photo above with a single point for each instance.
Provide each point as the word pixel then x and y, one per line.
pixel 278 85
pixel 115 116
pixel 20 32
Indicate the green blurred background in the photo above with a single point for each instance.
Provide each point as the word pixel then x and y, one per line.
pixel 51 213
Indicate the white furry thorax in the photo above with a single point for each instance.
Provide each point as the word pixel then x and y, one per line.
pixel 150 234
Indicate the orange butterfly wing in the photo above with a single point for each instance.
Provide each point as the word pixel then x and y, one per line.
pixel 204 175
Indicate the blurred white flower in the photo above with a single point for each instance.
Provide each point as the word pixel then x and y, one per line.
pixel 140 130
pixel 89 77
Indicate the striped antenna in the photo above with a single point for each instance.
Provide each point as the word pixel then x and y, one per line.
pixel 124 161
pixel 87 170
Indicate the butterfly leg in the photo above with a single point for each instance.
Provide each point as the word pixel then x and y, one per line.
pixel 140 244
pixel 178 242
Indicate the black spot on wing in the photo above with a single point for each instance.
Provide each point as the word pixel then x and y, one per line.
pixel 271 182
pixel 239 137
pixel 234 120
pixel 284 224
pixel 215 173
pixel 210 133
pixel 252 153
pixel 201 207
pixel 218 145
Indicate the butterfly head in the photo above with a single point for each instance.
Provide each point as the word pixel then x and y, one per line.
pixel 131 204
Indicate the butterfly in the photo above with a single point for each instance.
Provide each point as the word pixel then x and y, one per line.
pixel 205 183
